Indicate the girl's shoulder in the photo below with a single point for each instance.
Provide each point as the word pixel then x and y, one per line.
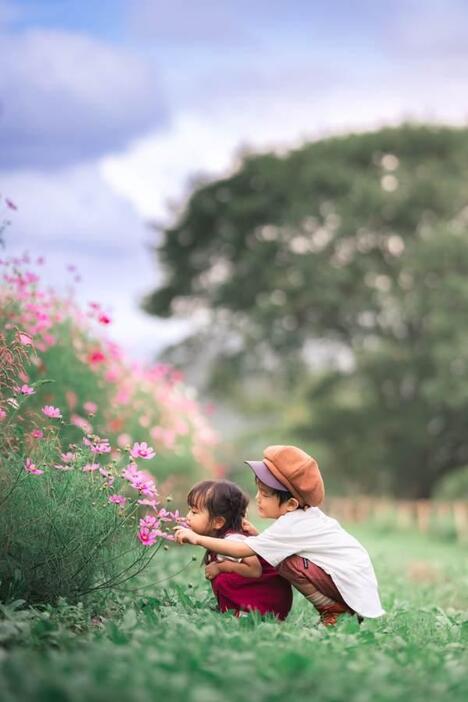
pixel 235 536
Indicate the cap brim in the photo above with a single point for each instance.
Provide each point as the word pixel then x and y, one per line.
pixel 265 475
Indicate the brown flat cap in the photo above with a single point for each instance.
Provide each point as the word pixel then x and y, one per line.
pixel 297 471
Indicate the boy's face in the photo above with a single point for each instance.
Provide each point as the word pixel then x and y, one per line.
pixel 268 504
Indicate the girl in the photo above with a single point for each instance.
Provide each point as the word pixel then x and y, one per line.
pixel 217 509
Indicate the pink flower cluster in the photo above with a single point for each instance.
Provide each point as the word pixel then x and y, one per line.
pixel 140 481
pixel 150 526
pixel 154 397
pixel 97 445
pixel 137 401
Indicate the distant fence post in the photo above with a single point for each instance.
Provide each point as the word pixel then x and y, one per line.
pixel 460 514
pixel 404 514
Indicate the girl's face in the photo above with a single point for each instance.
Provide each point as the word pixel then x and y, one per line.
pixel 200 521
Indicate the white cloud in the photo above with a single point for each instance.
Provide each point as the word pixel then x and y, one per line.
pixel 67 97
pixel 157 170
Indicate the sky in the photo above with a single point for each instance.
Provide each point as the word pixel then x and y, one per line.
pixel 110 110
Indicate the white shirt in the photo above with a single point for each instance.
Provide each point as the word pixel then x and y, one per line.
pixel 232 536
pixel 313 535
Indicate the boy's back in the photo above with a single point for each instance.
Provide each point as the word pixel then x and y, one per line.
pixel 311 534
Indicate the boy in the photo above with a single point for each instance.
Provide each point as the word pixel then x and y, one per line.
pixel 311 550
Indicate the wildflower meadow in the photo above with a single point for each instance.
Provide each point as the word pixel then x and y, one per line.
pixel 96 601
pixel 93 447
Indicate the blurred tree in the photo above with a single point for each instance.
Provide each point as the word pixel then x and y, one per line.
pixel 361 243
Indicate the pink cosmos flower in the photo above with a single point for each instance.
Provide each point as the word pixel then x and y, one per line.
pixel 140 481
pixel 52 412
pixel 109 477
pixel 68 457
pixel 118 500
pixel 111 376
pixel 91 467
pixel 30 467
pixel 149 503
pixel 26 390
pixel 123 440
pixel 90 407
pixel 37 434
pixel 24 339
pixel 72 399
pixel 3 414
pixel 147 536
pixel 81 423
pixel 97 445
pixel 167 437
pixel 95 357
pixel 142 451
pixel 130 471
pixel 104 319
pixel 101 447
pixel 149 521
pixel 165 516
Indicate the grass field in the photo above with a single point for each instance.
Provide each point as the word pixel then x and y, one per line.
pixel 165 643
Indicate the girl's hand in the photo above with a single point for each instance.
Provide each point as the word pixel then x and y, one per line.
pixel 211 571
pixel 183 535
pixel 249 528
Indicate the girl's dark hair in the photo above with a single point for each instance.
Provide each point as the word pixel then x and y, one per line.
pixel 220 498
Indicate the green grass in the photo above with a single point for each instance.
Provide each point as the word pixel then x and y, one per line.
pixel 165 643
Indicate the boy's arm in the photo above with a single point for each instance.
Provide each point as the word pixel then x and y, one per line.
pixel 227 547
pixel 249 528
pixel 249 568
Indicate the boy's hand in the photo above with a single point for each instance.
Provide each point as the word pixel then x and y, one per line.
pixel 183 535
pixel 249 528
pixel 211 571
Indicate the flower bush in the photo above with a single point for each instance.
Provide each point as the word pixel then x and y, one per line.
pixel 78 422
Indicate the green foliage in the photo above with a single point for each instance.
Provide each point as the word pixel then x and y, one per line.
pixel 168 643
pixel 60 536
pixel 359 243
pixel 453 487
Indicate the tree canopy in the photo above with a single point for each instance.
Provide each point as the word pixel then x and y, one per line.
pixel 359 242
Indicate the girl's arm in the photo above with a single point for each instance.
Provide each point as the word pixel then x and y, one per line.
pixel 227 547
pixel 249 568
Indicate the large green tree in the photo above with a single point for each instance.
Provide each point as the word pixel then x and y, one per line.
pixel 359 243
